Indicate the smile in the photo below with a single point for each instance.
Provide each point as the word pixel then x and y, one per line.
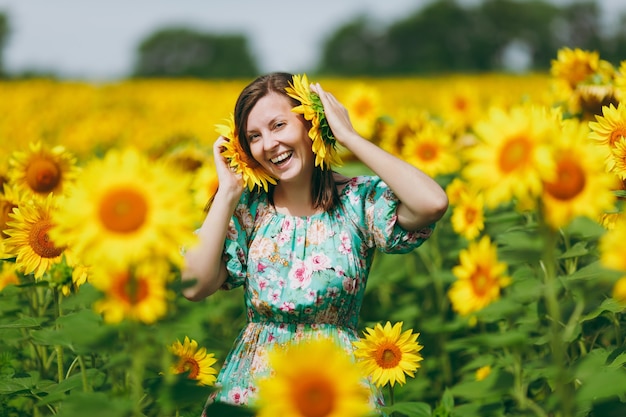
pixel 282 157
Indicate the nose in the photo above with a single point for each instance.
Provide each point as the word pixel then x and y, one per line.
pixel 269 141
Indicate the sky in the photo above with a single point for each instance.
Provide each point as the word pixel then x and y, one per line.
pixel 98 39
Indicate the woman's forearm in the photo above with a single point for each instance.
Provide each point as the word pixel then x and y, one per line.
pixel 203 262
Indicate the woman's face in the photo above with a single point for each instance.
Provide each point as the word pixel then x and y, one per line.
pixel 279 139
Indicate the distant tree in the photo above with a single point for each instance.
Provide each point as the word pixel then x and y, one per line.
pixel 445 36
pixel 4 35
pixel 183 52
pixel 356 49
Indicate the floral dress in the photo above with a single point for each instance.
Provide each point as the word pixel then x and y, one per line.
pixel 304 277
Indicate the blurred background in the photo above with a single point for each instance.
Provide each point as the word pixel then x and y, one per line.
pixel 118 39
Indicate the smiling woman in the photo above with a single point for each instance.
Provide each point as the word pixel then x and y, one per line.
pixel 300 238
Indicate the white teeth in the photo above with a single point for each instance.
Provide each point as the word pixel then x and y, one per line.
pixel 281 157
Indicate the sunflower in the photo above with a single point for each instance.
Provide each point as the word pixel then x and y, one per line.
pixel 42 170
pixel 574 66
pixel 324 143
pixel 363 103
pixel 431 149
pixel 480 278
pixel 137 293
pixel 125 208
pixel 608 131
pixel 387 353
pixel 29 237
pixel 194 360
pixel 8 274
pixel 407 123
pixel 456 189
pixel 252 173
pixel 581 186
pixel 512 157
pixel 313 378
pixel 468 218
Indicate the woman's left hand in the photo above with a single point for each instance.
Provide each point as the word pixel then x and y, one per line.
pixel 336 114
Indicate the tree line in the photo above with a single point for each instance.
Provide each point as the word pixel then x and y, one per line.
pixel 443 36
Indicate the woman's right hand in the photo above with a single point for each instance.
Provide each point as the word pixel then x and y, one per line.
pixel 229 180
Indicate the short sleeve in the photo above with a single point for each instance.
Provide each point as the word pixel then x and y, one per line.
pixel 235 253
pixel 379 218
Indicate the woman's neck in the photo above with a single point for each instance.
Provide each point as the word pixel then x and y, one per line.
pixel 294 199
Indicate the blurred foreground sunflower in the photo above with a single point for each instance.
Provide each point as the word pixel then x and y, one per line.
pixel 138 293
pixel 313 378
pixel 125 208
pixel 388 354
pixel 195 360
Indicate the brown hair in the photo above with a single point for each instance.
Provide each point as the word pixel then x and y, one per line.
pixel 324 192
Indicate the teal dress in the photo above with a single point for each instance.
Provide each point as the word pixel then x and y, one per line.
pixel 304 277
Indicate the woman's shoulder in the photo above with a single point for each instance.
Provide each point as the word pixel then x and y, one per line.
pixel 355 183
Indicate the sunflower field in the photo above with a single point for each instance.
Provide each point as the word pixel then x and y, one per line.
pixel 514 306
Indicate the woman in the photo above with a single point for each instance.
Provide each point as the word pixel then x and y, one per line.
pixel 303 248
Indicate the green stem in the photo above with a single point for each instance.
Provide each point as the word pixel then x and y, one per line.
pixel 391 398
pixel 58 348
pixel 562 388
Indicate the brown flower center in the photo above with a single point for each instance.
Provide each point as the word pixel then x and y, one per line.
pixel 427 152
pixel 617 135
pixel 123 210
pixel 40 242
pixel 42 175
pixel 515 154
pixel 570 180
pixel 6 207
pixel 130 288
pixel 481 281
pixel 388 355
pixel 189 365
pixel 314 396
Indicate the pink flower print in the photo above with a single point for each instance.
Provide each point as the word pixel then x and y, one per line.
pixel 238 396
pixel 339 271
pixel 345 247
pixel 319 262
pixel 287 225
pixel 311 295
pixel 274 296
pixel 281 282
pixel 261 267
pixel 288 307
pixel 282 238
pixel 300 275
pixel 262 283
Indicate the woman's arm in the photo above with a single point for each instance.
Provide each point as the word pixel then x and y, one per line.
pixel 203 262
pixel 422 200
